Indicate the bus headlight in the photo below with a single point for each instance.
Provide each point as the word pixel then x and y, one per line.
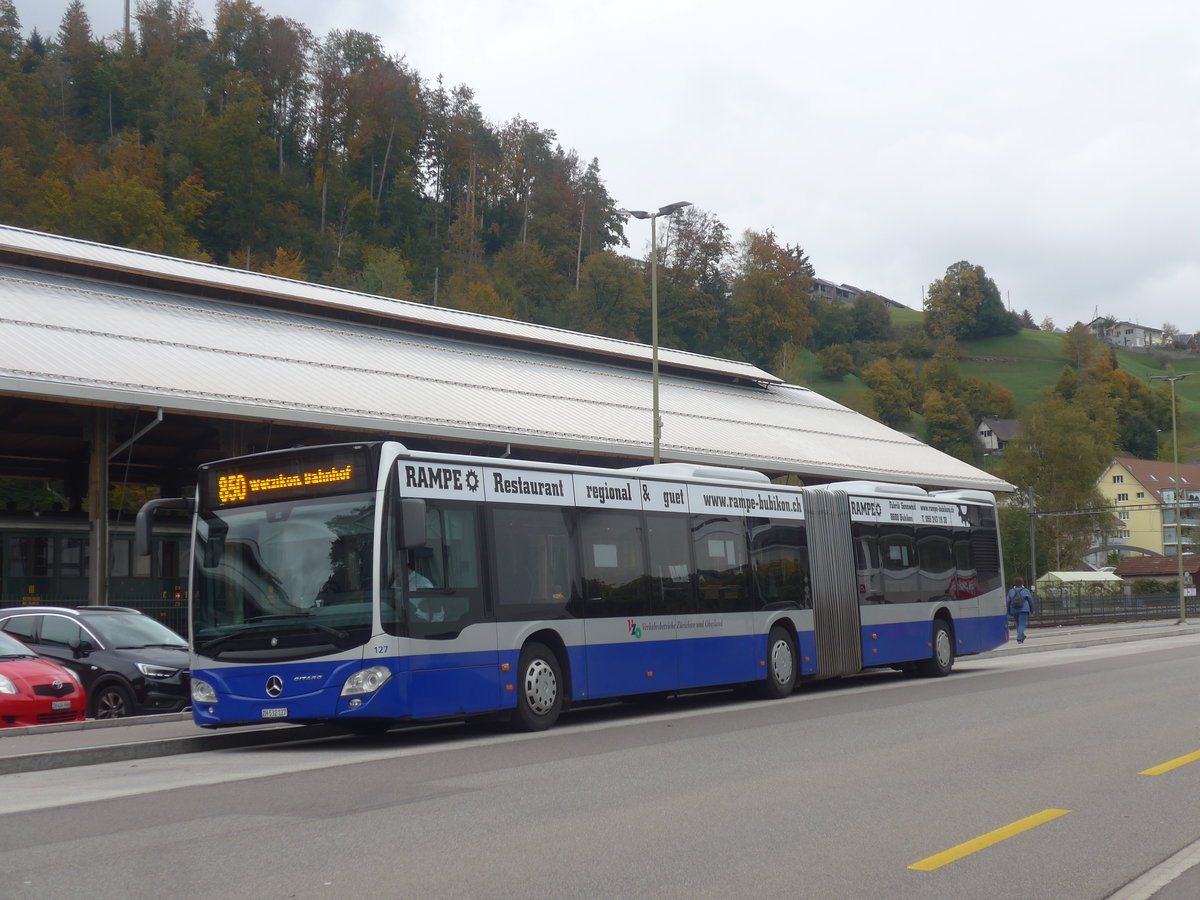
pixel 202 692
pixel 366 681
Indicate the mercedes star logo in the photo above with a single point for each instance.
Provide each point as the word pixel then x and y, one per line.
pixel 274 686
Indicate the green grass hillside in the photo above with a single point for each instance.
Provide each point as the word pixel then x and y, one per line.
pixel 1029 363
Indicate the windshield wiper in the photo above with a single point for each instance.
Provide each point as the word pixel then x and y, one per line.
pixel 338 636
pixel 144 646
pixel 325 629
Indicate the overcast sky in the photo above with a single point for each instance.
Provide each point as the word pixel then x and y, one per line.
pixel 1056 143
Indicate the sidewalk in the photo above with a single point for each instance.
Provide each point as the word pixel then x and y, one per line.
pixel 141 737
pixel 113 740
pixel 1059 637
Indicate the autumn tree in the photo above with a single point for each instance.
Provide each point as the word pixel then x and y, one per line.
pixel 834 323
pixel 891 397
pixel 77 77
pixel 611 299
pixel 25 135
pixel 1061 451
pixel 769 302
pixel 966 304
pixel 1080 345
pixel 525 275
pixel 385 273
pixel 948 424
pixel 835 361
pixel 694 279
pixel 234 152
pixel 872 321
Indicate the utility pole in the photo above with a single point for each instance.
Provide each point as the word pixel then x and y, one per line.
pixel 1032 542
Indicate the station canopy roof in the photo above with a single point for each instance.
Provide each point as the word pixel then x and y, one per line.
pixel 91 323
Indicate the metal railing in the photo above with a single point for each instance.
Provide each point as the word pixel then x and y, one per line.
pixel 1054 611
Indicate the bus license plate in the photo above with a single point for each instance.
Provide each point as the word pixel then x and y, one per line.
pixel 276 712
pixel 60 704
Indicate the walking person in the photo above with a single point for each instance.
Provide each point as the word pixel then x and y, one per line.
pixel 1020 606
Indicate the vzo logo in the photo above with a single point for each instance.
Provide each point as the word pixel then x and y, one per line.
pixel 633 629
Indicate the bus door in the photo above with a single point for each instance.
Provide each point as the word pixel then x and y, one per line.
pixel 630 646
pixel 838 629
pixel 453 661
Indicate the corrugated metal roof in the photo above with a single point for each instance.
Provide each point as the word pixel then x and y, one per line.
pixel 71 337
pixel 187 276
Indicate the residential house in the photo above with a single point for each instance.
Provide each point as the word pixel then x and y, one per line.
pixel 1128 335
pixel 1141 494
pixel 994 433
pixel 845 293
pixel 1160 568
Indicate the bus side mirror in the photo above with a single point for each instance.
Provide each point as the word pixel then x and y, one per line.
pixel 412 522
pixel 144 526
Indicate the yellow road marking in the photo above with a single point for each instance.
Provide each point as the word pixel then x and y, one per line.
pixel 992 837
pixel 1173 764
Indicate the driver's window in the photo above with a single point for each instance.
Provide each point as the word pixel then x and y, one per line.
pixel 442 583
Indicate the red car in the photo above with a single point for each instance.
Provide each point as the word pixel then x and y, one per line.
pixel 36 691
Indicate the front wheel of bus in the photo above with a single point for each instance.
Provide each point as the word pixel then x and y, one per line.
pixel 781 665
pixel 941 660
pixel 539 693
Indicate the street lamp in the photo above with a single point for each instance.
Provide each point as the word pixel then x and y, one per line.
pixel 642 214
pixel 1178 523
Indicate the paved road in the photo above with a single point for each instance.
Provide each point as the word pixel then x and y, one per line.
pixel 88 743
pixel 291 772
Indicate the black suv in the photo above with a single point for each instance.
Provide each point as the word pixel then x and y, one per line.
pixel 129 663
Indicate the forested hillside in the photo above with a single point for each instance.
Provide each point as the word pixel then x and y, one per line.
pixel 254 143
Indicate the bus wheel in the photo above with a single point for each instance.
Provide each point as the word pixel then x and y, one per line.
pixel 539 693
pixel 781 665
pixel 941 660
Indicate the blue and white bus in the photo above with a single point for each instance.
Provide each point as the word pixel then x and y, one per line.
pixel 367 584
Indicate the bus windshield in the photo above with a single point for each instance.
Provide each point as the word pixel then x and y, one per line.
pixel 303 565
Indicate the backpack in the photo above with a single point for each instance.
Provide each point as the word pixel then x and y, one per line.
pixel 1016 602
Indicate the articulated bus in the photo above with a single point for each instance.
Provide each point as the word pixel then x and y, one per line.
pixel 368 585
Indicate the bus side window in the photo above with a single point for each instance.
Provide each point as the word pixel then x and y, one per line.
pixel 719 545
pixel 779 561
pixel 898 558
pixel 613 565
pixel 935 555
pixel 533 558
pixel 672 586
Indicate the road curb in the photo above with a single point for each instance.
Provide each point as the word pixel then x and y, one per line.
pixel 172 746
pixel 1040 643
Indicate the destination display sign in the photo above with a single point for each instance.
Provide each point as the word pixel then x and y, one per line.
pixel 497 484
pixel 913 511
pixel 321 472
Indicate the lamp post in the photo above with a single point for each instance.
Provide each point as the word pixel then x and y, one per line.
pixel 652 216
pixel 1178 524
